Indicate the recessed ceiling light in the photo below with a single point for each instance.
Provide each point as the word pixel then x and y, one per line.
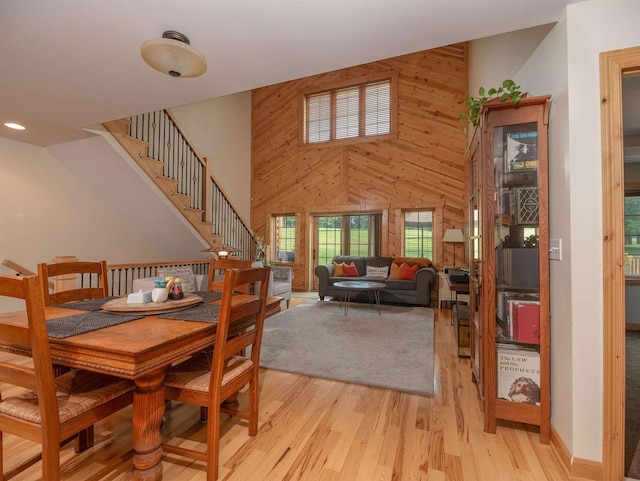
pixel 13 125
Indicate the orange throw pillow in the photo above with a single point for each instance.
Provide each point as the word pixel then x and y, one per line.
pixel 350 270
pixel 408 273
pixel 395 271
pixel 337 270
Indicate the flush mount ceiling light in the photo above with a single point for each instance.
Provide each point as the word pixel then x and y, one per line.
pixel 222 250
pixel 14 126
pixel 172 54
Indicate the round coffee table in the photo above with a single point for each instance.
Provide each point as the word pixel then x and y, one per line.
pixel 373 289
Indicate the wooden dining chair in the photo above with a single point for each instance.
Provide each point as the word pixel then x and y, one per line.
pixel 98 269
pixel 220 265
pixel 210 378
pixel 42 408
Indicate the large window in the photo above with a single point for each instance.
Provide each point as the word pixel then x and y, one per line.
pixel 284 238
pixel 358 110
pixel 355 235
pixel 418 234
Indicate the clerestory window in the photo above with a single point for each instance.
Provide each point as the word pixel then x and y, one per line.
pixel 362 109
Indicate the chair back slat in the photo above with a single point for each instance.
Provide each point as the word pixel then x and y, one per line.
pixel 223 264
pixel 63 268
pixel 17 375
pixel 77 295
pixel 237 343
pixel 45 271
pixel 16 334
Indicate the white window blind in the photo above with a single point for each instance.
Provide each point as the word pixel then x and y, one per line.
pixel 377 118
pixel 319 117
pixel 356 111
pixel 347 113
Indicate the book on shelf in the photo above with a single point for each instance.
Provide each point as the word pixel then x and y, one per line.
pixel 506 206
pixel 505 303
pixel 526 321
pixel 522 151
pixel 518 374
pixel 526 211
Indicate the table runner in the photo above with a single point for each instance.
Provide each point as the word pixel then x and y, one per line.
pixel 95 319
pixel 75 324
pixel 200 312
pixel 88 305
pixel 208 296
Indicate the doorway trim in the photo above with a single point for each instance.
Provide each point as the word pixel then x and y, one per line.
pixel 613 65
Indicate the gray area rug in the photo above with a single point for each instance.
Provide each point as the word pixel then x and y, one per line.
pixel 393 350
pixel 632 418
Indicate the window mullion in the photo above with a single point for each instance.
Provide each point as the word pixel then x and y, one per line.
pixel 333 114
pixel 361 110
pixel 346 238
pixel 307 122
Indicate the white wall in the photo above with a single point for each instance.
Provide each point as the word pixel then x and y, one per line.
pixel 499 57
pixel 94 207
pixel 566 65
pixel 545 72
pixel 220 129
pixel 592 27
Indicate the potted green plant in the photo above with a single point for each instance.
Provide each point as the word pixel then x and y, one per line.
pixel 507 90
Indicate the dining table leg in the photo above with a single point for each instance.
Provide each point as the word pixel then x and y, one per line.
pixel 148 410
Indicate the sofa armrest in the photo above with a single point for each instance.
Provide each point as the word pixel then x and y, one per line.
pixel 324 272
pixel 425 278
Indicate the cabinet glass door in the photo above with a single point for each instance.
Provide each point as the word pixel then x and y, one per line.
pixel 475 262
pixel 517 281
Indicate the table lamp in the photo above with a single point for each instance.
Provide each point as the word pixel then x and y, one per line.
pixel 453 236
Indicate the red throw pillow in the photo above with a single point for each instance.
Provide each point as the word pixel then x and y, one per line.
pixel 350 270
pixel 407 272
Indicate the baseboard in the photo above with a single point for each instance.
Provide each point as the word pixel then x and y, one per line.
pixel 577 468
pixel 632 326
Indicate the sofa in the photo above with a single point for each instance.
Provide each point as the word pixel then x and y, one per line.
pixel 397 291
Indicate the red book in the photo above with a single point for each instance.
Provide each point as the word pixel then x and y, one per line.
pixel 526 322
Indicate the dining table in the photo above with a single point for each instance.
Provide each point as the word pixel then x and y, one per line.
pixel 140 349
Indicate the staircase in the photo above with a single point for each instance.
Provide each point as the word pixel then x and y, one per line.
pixel 162 151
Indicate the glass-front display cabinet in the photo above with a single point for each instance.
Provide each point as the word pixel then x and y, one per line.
pixel 512 263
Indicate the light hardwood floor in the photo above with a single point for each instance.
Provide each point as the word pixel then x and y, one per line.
pixel 317 429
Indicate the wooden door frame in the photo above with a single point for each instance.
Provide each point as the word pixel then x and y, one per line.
pixel 613 65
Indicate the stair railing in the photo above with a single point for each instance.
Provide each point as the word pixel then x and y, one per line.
pixel 121 276
pixel 169 145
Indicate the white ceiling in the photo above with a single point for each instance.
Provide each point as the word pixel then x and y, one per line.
pixel 70 64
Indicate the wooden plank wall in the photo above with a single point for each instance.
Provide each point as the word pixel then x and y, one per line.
pixel 424 167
